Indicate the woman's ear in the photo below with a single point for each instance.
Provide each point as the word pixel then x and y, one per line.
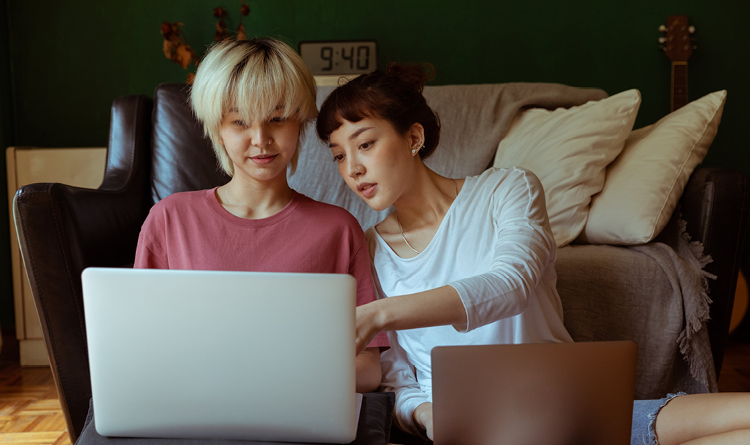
pixel 416 137
pixel 219 139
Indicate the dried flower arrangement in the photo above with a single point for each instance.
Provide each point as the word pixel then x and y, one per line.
pixel 177 49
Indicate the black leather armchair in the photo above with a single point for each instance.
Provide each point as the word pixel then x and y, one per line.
pixel 157 148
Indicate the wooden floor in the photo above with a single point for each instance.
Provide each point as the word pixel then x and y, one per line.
pixel 30 412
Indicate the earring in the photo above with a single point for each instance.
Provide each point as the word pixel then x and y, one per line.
pixel 414 150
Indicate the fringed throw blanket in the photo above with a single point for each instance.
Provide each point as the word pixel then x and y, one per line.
pixel 683 262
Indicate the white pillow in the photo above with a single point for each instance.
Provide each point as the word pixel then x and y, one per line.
pixel 568 150
pixel 645 182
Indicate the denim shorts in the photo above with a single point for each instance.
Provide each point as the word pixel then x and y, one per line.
pixel 644 419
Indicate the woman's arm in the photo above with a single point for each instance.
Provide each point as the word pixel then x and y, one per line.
pixel 399 377
pixel 523 248
pixel 423 417
pixel 436 307
pixel 368 370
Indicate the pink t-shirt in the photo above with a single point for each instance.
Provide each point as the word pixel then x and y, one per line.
pixel 192 231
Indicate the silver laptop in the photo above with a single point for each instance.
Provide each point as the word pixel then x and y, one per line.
pixel 552 394
pixel 224 355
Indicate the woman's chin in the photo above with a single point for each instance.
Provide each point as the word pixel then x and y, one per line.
pixel 376 205
pixel 374 202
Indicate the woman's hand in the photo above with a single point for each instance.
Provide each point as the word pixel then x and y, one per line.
pixel 368 326
pixel 435 307
pixel 423 418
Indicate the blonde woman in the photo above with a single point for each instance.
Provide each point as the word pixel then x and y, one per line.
pixel 254 98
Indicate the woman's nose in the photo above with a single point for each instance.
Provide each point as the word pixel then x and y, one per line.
pixel 354 168
pixel 260 136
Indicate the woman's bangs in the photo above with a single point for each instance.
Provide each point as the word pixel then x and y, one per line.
pixel 253 97
pixel 261 97
pixel 297 100
pixel 343 107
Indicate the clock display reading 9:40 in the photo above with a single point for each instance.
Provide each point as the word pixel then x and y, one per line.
pixel 340 57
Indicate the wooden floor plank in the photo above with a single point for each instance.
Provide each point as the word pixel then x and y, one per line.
pixel 12 407
pixel 63 440
pixel 21 424
pixel 31 438
pixel 51 422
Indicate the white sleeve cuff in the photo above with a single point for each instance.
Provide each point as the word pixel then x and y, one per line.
pixel 404 411
pixel 461 327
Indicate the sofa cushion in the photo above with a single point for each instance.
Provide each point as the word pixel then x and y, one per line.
pixel 646 180
pixel 569 150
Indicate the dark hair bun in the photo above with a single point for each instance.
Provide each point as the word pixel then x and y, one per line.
pixel 395 96
pixel 416 75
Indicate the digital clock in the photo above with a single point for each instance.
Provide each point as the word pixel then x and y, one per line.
pixel 340 57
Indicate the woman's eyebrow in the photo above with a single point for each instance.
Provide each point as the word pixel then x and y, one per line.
pixel 358 132
pixel 352 136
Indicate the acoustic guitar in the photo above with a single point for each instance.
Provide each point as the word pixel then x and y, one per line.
pixel 677 44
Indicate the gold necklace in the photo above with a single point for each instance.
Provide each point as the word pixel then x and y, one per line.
pixel 455 184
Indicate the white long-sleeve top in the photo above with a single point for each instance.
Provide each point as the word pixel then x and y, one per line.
pixel 495 247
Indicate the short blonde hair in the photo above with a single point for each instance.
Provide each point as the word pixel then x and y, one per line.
pixel 254 77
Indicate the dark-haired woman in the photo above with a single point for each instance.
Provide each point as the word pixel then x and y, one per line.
pixel 467 261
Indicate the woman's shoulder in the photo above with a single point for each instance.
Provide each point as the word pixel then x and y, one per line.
pixel 328 213
pixel 178 198
pixel 512 192
pixel 181 202
pixel 503 174
pixel 175 209
pixel 494 180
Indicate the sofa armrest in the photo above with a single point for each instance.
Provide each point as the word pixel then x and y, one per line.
pixel 64 229
pixel 715 206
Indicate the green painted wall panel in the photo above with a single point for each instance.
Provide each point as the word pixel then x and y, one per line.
pixel 71 58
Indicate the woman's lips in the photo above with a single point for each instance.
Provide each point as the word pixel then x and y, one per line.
pixel 367 190
pixel 263 159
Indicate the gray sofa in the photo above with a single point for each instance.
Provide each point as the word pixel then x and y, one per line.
pixel 156 148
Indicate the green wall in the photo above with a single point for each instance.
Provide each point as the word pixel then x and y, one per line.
pixel 71 58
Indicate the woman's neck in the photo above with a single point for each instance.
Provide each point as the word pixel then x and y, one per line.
pixel 426 200
pixel 251 199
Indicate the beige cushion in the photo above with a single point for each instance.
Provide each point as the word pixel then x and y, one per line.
pixel 645 182
pixel 568 150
